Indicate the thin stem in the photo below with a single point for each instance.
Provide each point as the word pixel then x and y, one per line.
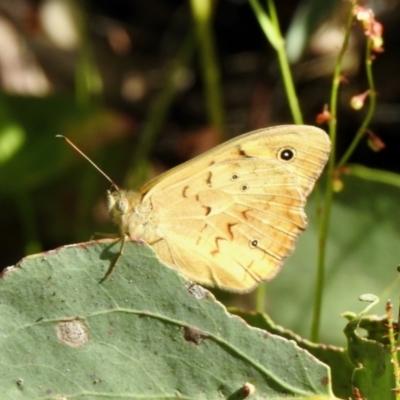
pixel 375 175
pixel 272 13
pixel 371 106
pixel 271 28
pixel 202 14
pixel 266 23
pixel 261 294
pixel 285 69
pixel 289 87
pixel 326 212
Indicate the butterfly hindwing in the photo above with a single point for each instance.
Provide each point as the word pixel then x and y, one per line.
pixel 237 224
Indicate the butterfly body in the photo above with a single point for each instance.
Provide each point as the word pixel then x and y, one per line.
pixel 229 217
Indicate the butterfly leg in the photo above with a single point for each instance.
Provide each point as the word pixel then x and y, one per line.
pixel 114 263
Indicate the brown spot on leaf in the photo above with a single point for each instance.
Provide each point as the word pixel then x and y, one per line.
pixel 193 335
pixel 72 332
pixel 325 380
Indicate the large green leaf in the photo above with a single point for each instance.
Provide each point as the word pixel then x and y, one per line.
pixel 144 333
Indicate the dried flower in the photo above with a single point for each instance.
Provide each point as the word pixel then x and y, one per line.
pixel 375 142
pixel 357 101
pixel 323 116
pixel 337 185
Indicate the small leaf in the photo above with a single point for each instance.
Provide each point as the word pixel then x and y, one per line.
pixel 373 375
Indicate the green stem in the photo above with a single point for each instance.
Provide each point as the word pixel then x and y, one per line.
pixel 261 294
pixel 289 87
pixel 202 14
pixel 272 13
pixel 271 28
pixel 371 106
pixel 375 175
pixel 326 212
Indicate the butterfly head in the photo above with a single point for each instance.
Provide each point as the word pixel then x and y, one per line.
pixel 122 205
pixel 118 204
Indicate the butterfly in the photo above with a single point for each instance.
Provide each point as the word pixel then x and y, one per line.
pixel 229 217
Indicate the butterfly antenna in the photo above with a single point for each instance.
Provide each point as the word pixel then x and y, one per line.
pixel 91 162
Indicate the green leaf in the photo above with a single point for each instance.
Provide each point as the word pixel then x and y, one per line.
pixel 270 30
pixel 143 333
pixel 373 377
pixel 336 357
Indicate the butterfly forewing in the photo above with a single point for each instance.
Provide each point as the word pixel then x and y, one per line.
pixel 310 147
pixel 312 143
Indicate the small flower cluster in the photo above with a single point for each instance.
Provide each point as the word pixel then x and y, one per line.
pixel 372 28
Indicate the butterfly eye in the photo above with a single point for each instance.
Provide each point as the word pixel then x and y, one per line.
pixel 234 177
pixel 253 243
pixel 122 205
pixel 286 154
pixel 243 188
